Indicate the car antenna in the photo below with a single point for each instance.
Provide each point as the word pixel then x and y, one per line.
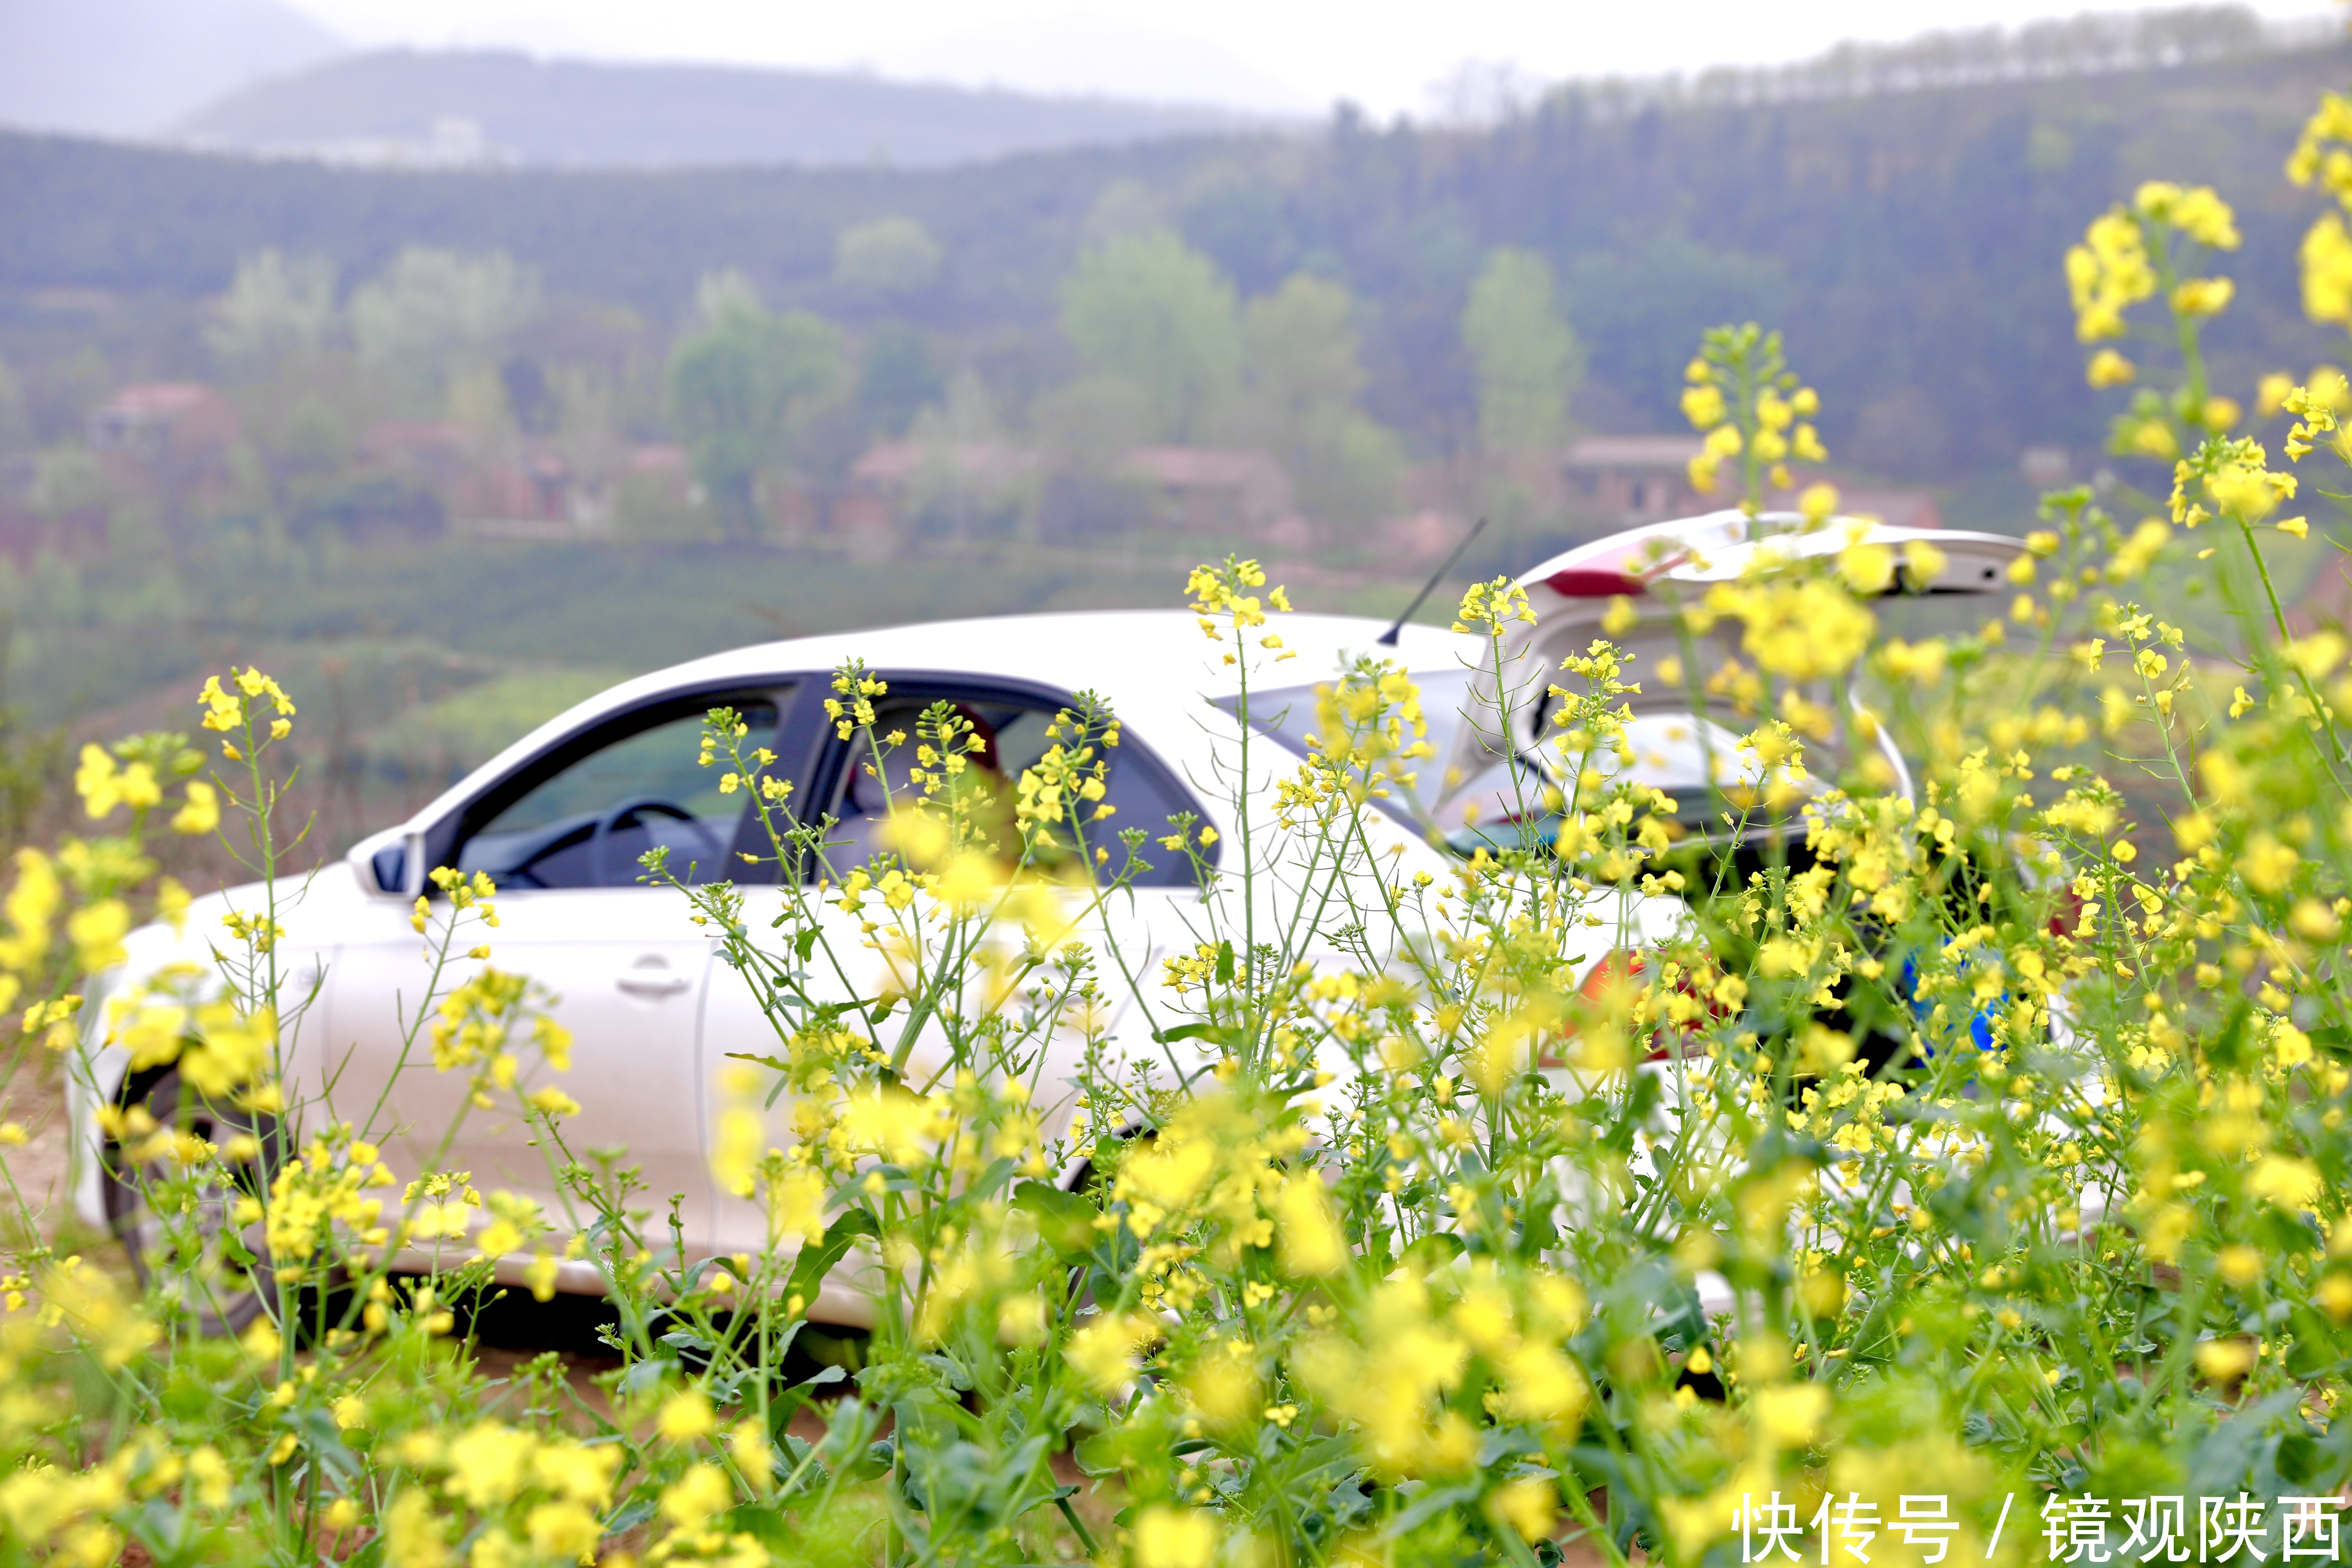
pixel 1388 637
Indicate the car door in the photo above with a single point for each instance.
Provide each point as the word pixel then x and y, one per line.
pixel 1130 931
pixel 619 963
pixel 1015 722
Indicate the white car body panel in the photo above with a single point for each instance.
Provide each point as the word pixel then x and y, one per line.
pixel 655 1012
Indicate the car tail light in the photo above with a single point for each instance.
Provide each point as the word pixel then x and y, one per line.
pixel 1674 1039
pixel 2068 915
pixel 1624 967
pixel 1618 968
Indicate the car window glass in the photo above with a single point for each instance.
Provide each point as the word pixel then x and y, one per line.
pixel 587 824
pixel 1502 792
pixel 1011 728
pixel 1291 715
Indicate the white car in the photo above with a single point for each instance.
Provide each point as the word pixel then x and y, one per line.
pixel 559 819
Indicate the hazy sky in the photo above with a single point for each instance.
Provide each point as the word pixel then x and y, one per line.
pixel 1384 55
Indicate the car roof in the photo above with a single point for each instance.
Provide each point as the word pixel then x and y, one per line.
pixel 1100 648
pixel 1125 655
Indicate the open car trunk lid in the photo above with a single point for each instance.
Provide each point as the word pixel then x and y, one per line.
pixel 1494 764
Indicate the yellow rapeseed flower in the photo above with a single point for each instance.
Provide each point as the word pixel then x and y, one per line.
pixel 686 1416
pixel 490 1463
pixel 96 932
pixel 413 1537
pixel 694 1497
pixel 1530 1506
pixel 2202 296
pixel 2327 259
pixel 2197 211
pixel 563 1530
pixel 2108 368
pixel 1791 1416
pixel 2107 274
pixel 201 814
pixel 1175 1538
pixel 1307 1234
pixel 1103 1351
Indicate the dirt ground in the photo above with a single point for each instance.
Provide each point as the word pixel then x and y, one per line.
pixel 32 1096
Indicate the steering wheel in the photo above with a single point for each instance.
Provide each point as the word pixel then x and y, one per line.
pixel 601 845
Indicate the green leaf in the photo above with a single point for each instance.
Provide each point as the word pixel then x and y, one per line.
pixel 761 1520
pixel 1066 1221
pixel 815 1262
pixel 1433 1251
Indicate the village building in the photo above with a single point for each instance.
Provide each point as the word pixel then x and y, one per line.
pixel 1210 489
pixel 1626 480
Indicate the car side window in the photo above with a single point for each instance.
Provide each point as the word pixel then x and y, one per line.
pixel 1011 726
pixel 588 813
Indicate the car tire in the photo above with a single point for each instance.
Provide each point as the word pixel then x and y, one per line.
pixel 221 1295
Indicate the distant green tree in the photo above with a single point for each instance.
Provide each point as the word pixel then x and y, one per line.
pixel 67 479
pixel 1640 308
pixel 717 293
pixel 1151 310
pixel 966 414
pixel 887 257
pixel 1123 209
pixel 734 388
pixel 1345 466
pixel 1305 352
pixel 15 422
pixel 433 312
pixel 1243 221
pixel 897 374
pixel 1305 375
pixel 1091 423
pixel 33 760
pixel 475 400
pixel 966 478
pixel 1527 361
pixel 313 438
pixel 277 305
pixel 1084 429
pixel 530 396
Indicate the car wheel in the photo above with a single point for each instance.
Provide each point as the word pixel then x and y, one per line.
pixel 178 1223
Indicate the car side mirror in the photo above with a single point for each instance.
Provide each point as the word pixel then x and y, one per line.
pixel 387 865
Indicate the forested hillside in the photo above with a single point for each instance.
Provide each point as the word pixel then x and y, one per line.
pixel 598 114
pixel 1906 239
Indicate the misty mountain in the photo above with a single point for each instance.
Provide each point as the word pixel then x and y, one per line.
pixel 129 68
pixel 406 106
pixel 1082 54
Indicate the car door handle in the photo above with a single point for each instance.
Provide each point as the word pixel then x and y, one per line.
pixel 652 982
